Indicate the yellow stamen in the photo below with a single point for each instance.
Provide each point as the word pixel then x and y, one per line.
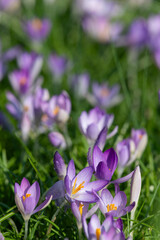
pixel 56 110
pixel 37 24
pixel 140 136
pixel 27 195
pixel 81 208
pixel 77 189
pixel 98 233
pixel 23 81
pixel 111 207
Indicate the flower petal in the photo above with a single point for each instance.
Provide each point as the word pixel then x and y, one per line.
pixel 84 175
pixel 34 190
pixel 43 205
pixel 24 184
pixel 71 169
pixel 102 172
pixel 57 190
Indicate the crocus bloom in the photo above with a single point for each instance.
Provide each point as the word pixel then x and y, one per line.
pixel 95 231
pixel 106 96
pixel 91 124
pixel 27 197
pixel 9 5
pixel 104 164
pixel 116 206
pixel 79 210
pixel 130 149
pixel 77 187
pixel 101 29
pixel 57 140
pixel 59 107
pixel 59 165
pixel 37 29
pixel 57 65
pixel 80 84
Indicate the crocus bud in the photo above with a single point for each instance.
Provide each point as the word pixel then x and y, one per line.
pixel 59 165
pixel 57 140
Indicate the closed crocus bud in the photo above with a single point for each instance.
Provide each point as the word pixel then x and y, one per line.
pixel 140 139
pixel 57 140
pixel 59 165
pixel 80 84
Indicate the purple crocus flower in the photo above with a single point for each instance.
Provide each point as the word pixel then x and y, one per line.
pixel 27 197
pixel 79 209
pixel 91 124
pixel 106 96
pixel 37 29
pixel 116 206
pixel 77 187
pixel 57 64
pixel 80 84
pixel 59 107
pixel 57 140
pixel 95 231
pixel 104 164
pixel 101 29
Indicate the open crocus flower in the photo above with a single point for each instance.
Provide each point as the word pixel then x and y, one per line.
pixel 37 29
pixel 27 197
pixel 59 107
pixel 116 206
pixel 77 187
pixel 57 65
pixel 106 96
pixel 92 123
pixel 104 164
pixel 101 28
pixel 95 231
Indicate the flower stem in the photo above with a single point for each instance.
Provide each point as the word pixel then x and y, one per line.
pixel 26 230
pixel 54 217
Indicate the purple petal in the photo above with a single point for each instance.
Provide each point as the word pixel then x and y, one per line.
pixel 123 179
pixel 43 205
pixel 89 157
pixel 108 222
pixel 106 197
pixel 96 185
pixel 19 204
pixel 92 131
pixel 101 140
pixel 34 190
pixel 24 184
pixel 86 197
pixel 102 172
pixel 29 205
pixel 57 190
pixel 67 183
pixel 112 159
pixel 71 169
pixel 97 156
pixel 84 175
pixel 18 190
pixel 75 210
pixel 115 130
pixel 93 225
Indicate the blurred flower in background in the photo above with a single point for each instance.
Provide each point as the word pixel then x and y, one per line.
pixel 9 5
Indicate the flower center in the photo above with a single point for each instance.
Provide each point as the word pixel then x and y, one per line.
pixel 111 207
pixel 44 117
pixel 37 24
pixel 26 108
pixel 77 189
pixel 81 208
pixel 27 195
pixel 98 233
pixel 56 110
pixel 140 136
pixel 104 92
pixel 23 81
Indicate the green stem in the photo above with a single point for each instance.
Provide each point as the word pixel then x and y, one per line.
pixel 26 230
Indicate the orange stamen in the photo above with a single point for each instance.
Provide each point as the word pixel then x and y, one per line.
pixel 26 108
pixel 140 136
pixel 111 207
pixel 98 233
pixel 37 24
pixel 77 189
pixel 56 110
pixel 104 92
pixel 27 195
pixel 23 81
pixel 44 117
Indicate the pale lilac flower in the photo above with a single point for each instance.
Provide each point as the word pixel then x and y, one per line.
pixel 27 197
pixel 37 29
pixel 59 107
pixel 9 5
pixel 106 96
pixel 57 140
pixel 80 84
pixel 59 165
pixel 97 8
pixel 57 64
pixel 132 148
pixel 116 206
pixel 92 123
pixel 104 164
pixel 94 230
pixel 102 29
